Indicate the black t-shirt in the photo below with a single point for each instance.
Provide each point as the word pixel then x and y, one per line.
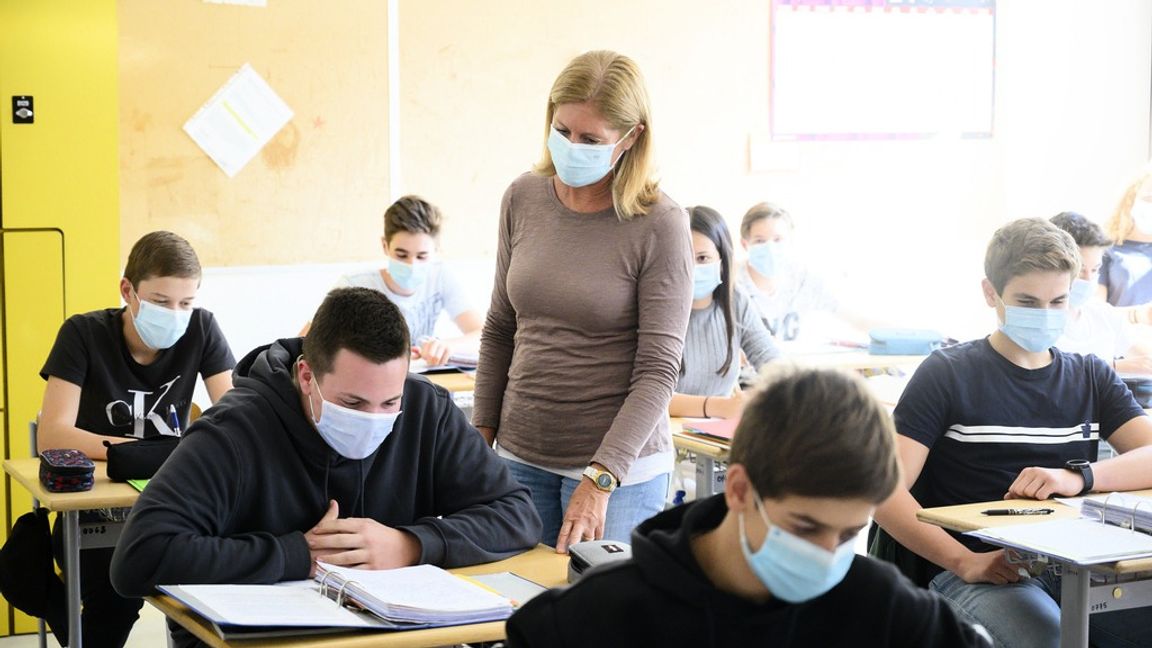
pixel 121 397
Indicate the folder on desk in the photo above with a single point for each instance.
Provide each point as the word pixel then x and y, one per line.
pixel 1087 540
pixel 341 599
pixel 717 429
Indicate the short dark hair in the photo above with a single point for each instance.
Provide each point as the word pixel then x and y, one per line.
pixel 161 254
pixel 1083 231
pixel 759 212
pixel 1029 245
pixel 412 214
pixel 361 320
pixel 816 433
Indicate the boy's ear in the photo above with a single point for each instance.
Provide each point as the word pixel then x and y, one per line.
pixel 125 290
pixel 736 487
pixel 384 245
pixel 990 295
pixel 744 244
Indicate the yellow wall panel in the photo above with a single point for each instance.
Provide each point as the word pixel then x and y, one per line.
pixel 59 176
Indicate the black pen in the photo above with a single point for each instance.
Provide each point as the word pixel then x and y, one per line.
pixel 1020 511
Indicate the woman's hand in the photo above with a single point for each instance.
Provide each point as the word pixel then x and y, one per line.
pixel 726 407
pixel 584 517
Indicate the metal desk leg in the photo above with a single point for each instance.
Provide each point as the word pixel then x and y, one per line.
pixel 72 575
pixel 705 476
pixel 1074 607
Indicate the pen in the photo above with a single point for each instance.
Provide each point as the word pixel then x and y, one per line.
pixel 1020 511
pixel 174 420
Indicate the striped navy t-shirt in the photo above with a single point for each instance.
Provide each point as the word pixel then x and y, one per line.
pixel 984 419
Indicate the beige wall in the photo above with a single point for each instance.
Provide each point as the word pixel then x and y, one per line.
pixel 1072 113
pixel 313 192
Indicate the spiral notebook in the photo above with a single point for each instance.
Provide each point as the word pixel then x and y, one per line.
pixel 340 599
pixel 1123 532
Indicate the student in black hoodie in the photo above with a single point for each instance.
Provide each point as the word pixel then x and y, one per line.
pixel 326 448
pixel 770 561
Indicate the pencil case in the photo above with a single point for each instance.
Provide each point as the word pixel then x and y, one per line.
pixel 63 470
pixel 139 459
pixel 890 341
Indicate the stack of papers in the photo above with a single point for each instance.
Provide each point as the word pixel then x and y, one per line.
pixel 716 429
pixel 344 599
pixel 1120 509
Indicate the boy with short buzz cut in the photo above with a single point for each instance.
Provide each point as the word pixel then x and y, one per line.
pixel 1007 416
pixel 769 562
pixel 120 374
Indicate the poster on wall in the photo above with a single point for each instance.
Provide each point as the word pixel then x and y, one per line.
pixel 882 69
pixel 243 115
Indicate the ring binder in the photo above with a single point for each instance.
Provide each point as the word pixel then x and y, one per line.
pixel 324 584
pixel 1136 508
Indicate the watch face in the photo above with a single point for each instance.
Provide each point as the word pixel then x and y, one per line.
pixel 604 481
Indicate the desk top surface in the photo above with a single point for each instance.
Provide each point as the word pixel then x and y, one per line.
pixel 105 493
pixel 968 517
pixel 714 448
pixel 454 381
pixel 542 565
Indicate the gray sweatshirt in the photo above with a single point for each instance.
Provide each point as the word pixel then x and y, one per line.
pixel 705 347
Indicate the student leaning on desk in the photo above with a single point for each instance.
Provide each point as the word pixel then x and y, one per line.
pixel 326 449
pixel 121 374
pixel 771 561
pixel 1012 416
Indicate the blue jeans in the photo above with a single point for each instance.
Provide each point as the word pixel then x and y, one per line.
pixel 627 506
pixel 1027 614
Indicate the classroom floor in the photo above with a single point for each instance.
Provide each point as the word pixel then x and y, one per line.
pixel 149 632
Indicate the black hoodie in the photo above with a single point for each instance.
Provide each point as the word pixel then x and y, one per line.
pixel 250 477
pixel 661 597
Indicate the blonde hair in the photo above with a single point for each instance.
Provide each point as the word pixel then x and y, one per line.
pixel 1029 245
pixel 1120 225
pixel 613 83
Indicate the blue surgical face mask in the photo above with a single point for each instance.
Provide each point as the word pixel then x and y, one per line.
pixel 793 569
pixel 159 327
pixel 409 276
pixel 765 258
pixel 1034 329
pixel 1081 292
pixel 351 433
pixel 705 279
pixel 580 165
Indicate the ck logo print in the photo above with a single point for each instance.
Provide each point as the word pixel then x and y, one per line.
pixel 122 413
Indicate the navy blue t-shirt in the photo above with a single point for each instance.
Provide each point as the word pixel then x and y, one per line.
pixel 1126 271
pixel 121 397
pixel 984 419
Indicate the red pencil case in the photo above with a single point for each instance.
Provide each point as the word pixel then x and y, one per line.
pixel 64 470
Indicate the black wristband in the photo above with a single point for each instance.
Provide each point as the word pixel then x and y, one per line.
pixel 1083 467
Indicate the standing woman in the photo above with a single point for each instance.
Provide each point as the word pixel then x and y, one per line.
pixel 723 324
pixel 582 343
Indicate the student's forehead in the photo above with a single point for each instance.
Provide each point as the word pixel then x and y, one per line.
pixel 701 243
pixel 171 286
pixel 1038 283
pixel 412 241
pixel 828 511
pixel 769 227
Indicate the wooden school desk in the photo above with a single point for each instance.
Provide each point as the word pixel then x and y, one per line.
pixel 104 494
pixel 1079 596
pixel 453 381
pixel 708 452
pixel 541 565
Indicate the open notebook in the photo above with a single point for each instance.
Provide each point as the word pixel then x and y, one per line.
pixel 1086 540
pixel 340 599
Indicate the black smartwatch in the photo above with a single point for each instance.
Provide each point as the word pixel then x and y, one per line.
pixel 1085 469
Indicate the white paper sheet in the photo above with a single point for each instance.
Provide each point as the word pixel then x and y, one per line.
pixel 243 115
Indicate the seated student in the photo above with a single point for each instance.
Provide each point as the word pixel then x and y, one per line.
pixel 790 297
pixel 770 561
pixel 120 374
pixel 419 284
pixel 327 448
pixel 991 419
pixel 1126 273
pixel 722 324
pixel 1094 325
